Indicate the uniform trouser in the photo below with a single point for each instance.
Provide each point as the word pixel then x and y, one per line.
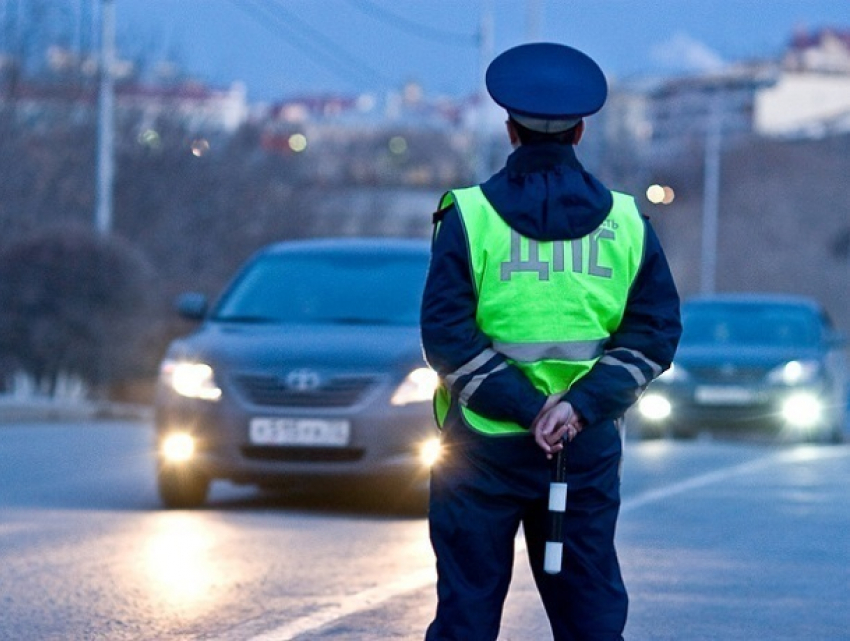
pixel 480 494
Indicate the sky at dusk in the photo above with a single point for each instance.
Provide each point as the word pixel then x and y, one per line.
pixel 283 48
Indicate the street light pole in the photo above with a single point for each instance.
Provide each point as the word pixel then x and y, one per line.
pixel 532 27
pixel 485 52
pixel 711 199
pixel 105 122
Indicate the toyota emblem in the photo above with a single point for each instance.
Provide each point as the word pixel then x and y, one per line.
pixel 728 370
pixel 302 380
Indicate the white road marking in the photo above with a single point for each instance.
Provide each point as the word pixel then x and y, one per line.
pixel 695 482
pixel 726 473
pixel 350 605
pixel 375 596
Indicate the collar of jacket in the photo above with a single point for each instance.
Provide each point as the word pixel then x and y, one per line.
pixel 544 193
pixel 540 157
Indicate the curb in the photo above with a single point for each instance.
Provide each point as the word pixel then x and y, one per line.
pixel 47 410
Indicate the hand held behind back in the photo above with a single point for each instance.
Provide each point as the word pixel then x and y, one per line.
pixel 556 421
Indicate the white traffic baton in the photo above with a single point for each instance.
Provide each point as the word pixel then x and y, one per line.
pixel 552 561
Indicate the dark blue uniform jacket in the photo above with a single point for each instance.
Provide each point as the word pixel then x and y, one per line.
pixel 544 193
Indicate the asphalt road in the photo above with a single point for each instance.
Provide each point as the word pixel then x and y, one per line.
pixel 718 541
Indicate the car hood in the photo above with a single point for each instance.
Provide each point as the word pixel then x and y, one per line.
pixel 333 346
pixel 754 356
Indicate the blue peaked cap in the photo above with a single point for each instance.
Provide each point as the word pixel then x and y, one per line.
pixel 544 81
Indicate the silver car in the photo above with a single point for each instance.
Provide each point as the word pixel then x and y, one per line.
pixel 309 365
pixel 750 362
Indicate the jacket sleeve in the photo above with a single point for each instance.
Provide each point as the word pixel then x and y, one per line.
pixel 477 376
pixel 642 347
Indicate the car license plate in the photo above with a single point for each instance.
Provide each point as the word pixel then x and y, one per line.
pixel 725 395
pixel 299 431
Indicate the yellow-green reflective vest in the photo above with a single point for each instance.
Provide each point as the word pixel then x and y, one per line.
pixel 548 306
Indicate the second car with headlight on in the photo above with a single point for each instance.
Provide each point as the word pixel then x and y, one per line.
pixel 309 365
pixel 750 362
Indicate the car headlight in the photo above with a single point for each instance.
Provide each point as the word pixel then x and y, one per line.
pixel 417 387
pixel 802 409
pixel 654 407
pixel 190 379
pixel 177 447
pixel 795 373
pixel 429 452
pixel 674 374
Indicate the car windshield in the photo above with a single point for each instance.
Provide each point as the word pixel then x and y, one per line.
pixel 751 324
pixel 344 288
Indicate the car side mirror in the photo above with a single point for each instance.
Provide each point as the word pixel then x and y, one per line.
pixel 192 306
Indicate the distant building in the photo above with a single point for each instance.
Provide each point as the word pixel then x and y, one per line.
pixel 805 105
pixel 312 108
pixel 678 111
pixel 193 104
pixel 409 106
pixel 823 51
pixel 68 84
pixel 811 97
pixel 402 137
pixel 196 106
pixel 803 93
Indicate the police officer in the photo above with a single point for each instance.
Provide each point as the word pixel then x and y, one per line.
pixel 548 307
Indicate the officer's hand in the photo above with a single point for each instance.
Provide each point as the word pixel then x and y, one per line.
pixel 551 402
pixel 553 425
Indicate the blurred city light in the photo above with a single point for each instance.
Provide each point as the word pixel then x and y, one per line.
pixel 398 145
pixel 655 194
pixel 660 194
pixel 150 138
pixel 298 142
pixel 200 146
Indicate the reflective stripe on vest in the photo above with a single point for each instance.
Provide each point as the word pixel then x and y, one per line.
pixel 548 306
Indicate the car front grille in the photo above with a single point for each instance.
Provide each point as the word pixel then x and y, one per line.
pixel 271 391
pixel 728 375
